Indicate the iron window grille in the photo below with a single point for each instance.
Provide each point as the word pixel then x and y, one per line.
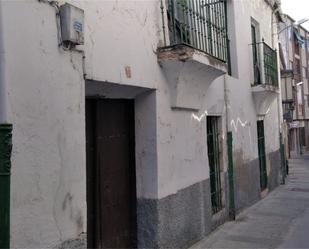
pixel 201 24
pixel 262 154
pixel 265 65
pixel 214 163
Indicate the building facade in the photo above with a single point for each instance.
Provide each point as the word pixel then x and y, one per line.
pixel 164 124
pixel 294 80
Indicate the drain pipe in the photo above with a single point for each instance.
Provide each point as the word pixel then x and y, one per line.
pixel 5 149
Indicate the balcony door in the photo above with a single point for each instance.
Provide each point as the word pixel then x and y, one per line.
pixel 255 55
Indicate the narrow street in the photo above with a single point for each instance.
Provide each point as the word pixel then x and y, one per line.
pixel 149 123
pixel 281 220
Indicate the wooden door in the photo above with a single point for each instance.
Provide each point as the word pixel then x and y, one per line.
pixel 111 184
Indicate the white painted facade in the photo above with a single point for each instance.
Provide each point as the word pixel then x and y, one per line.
pixel 46 104
pixel 295 86
pixel 46 107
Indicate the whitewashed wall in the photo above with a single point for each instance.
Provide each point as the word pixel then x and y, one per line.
pixel 46 107
pixel 46 102
pixel 127 33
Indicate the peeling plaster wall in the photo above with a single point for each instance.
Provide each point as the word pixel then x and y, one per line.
pixel 46 107
pixel 131 33
pixel 120 35
pixel 182 149
pixel 124 35
pixel 242 114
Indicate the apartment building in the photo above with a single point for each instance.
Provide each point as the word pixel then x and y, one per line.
pixel 136 123
pixel 294 80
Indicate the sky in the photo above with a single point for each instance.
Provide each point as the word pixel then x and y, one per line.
pixel 297 9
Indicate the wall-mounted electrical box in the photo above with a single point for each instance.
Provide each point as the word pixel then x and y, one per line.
pixel 72 24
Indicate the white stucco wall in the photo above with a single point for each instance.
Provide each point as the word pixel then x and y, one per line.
pixel 123 34
pixel 46 106
pixel 136 33
pixel 126 34
pixel 242 110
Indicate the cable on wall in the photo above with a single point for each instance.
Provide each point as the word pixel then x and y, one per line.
pixel 61 43
pixel 55 5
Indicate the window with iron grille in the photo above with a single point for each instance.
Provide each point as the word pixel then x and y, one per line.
pixel 265 66
pixel 214 163
pixel 201 24
pixel 262 154
pixel 270 65
pixel 297 71
pixel 296 45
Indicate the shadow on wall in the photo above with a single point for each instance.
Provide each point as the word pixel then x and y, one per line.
pixel 78 243
pixel 247 178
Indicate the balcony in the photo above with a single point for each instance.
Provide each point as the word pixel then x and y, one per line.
pixel 195 50
pixel 265 65
pixel 265 88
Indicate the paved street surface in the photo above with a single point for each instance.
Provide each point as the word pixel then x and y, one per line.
pixel 281 220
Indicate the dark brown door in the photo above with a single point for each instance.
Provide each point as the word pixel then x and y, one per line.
pixel 111 184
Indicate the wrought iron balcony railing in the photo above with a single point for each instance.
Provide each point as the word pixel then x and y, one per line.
pixel 201 24
pixel 265 64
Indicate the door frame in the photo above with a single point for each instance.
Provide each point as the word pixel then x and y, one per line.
pixel 146 165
